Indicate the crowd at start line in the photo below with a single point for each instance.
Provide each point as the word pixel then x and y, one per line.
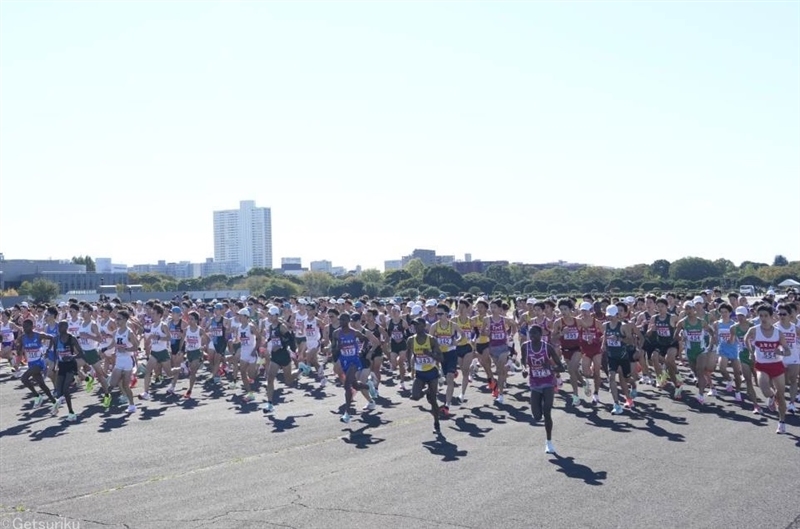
pixel 728 345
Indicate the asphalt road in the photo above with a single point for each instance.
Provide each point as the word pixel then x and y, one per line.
pixel 219 463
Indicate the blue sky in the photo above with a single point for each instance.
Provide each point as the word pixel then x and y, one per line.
pixel 607 133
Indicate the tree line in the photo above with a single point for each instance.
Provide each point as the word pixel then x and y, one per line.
pixel 688 273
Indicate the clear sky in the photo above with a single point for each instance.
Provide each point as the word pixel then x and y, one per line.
pixel 606 133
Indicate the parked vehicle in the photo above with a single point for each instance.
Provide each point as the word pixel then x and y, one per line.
pixel 747 290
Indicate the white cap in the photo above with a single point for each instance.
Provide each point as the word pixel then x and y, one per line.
pixel 612 310
pixel 698 300
pixel 340 301
pixel 770 292
pixel 688 304
pixel 586 306
pixel 430 303
pixel 410 304
pixel 742 311
pixel 531 301
pixel 331 300
pixel 302 301
pixel 243 298
pixel 630 300
pixel 24 304
pixel 274 311
pixel 243 312
pixel 415 310
pixel 61 304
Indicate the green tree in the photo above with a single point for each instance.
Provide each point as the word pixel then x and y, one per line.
pixel 660 268
pixel 85 260
pixel 416 268
pixel 431 292
pixel 42 290
pixel 751 264
pixel 317 283
pixel 780 261
pixel 752 280
pixel 450 289
pixel 280 287
pixel 393 277
pixel 409 293
pixel 411 282
pixel 499 274
pixel 692 269
pixel 260 272
pixel 371 275
pixel 440 274
pixel 481 282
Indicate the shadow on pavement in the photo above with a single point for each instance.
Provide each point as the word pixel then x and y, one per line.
pixel 571 469
pixel 281 425
pixel 442 447
pixel 473 430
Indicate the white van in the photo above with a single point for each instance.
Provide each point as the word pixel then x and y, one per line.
pixel 747 290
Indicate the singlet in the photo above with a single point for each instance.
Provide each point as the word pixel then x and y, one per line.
pixel 278 339
pixel 430 321
pixel 790 336
pixel 122 341
pixel 724 336
pixel 158 338
pixel 445 337
pixel 614 345
pixel 497 332
pixel 348 344
pixel 740 334
pixel 396 332
pixel 7 333
pixel 570 335
pixel 423 361
pixel 65 350
pixel 50 330
pixel 311 330
pixel 481 338
pixel 175 331
pixel 216 329
pixel 590 339
pixel 665 332
pixel 540 375
pixel 32 347
pixel 523 319
pixel 105 334
pixel 766 349
pixel 73 326
pixel 694 337
pixel 247 340
pixel 147 323
pixel 87 344
pixel 466 328
pixel 299 324
pixel 193 339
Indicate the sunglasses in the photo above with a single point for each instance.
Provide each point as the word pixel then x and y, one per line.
pixel 783 314
pixel 440 313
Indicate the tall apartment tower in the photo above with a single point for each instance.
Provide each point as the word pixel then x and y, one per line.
pixel 244 236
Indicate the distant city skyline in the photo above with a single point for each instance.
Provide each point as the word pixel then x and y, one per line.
pixel 610 133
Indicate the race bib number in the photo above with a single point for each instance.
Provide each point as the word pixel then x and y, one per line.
pixel 571 335
pixel 540 373
pixel 349 350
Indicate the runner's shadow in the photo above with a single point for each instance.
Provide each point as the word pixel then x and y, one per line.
pixel 594 418
pixel 482 415
pixel 373 420
pixel 281 425
pixel 112 423
pixel 56 430
pixel 473 430
pixel 147 413
pixel 723 413
pixel 190 404
pixel 658 431
pixel 20 428
pixel 518 414
pixel 213 390
pixel 442 447
pixel 316 392
pixel 360 438
pixel 655 412
pixel 571 469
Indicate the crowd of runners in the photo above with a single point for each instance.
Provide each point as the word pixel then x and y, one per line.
pixel 587 345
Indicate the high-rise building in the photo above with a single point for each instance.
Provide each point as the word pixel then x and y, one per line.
pixel 244 236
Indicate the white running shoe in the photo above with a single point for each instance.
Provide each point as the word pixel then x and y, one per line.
pixel 549 448
pixel 345 418
pixel 132 408
pixel 369 407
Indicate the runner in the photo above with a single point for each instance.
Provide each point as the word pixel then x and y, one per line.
pixel 541 361
pixel 465 348
pixel 447 334
pixel 566 338
pixel 159 352
pixel 68 350
pixel 126 343
pixel 345 346
pixel 767 345
pixel 424 350
pixel 31 344
pixel 397 329
pixel 196 341
pixel 788 330
pixel 498 327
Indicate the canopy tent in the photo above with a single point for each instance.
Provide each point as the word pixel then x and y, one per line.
pixel 789 283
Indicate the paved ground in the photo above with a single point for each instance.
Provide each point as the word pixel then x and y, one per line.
pixel 218 463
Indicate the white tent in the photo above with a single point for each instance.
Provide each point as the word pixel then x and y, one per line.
pixel 789 283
